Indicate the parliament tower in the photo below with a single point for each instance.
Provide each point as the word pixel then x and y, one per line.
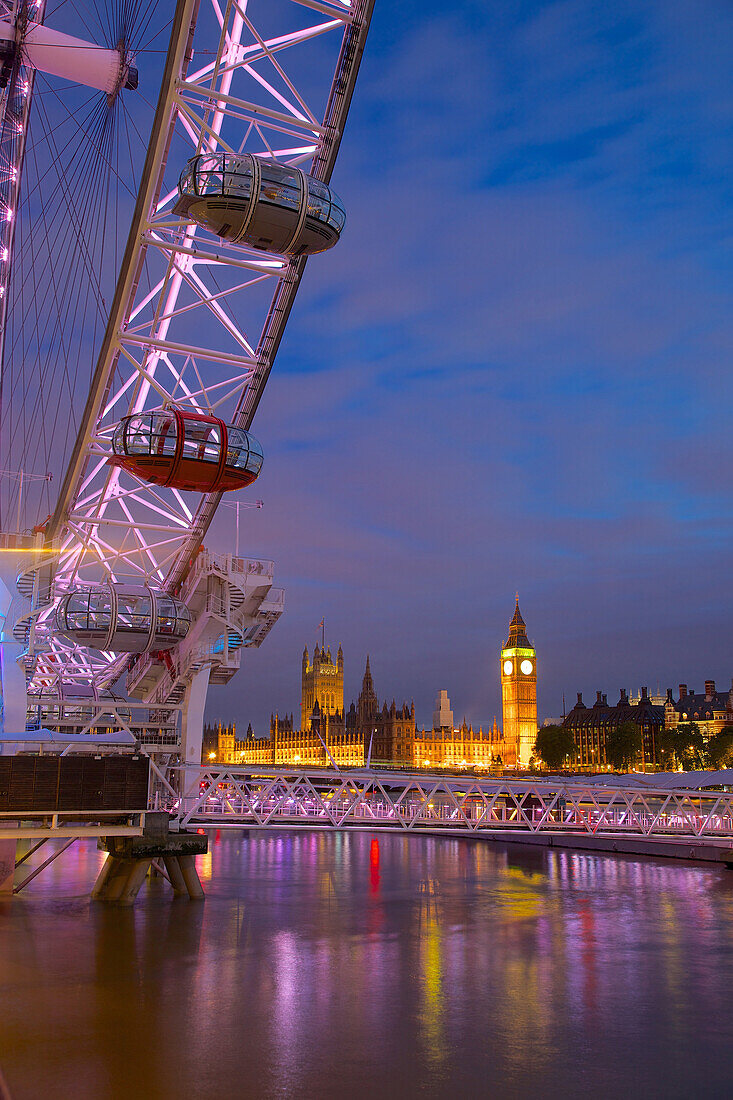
pixel 519 693
pixel 321 682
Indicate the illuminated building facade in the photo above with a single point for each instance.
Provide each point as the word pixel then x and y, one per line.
pixel 591 726
pixel 711 711
pixel 388 734
pixel 368 732
pixel 518 670
pixel 322 683
pixel 449 746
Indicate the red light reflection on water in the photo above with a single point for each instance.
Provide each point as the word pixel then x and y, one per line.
pixel 374 876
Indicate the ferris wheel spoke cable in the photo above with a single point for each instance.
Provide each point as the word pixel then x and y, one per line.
pixel 96 138
pixel 98 105
pixel 145 46
pixel 128 142
pixel 79 254
pixel 66 322
pixel 72 279
pixel 30 230
pixel 95 129
pixel 69 320
pixel 30 250
pixel 37 405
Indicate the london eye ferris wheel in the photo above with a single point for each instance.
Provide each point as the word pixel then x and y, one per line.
pixel 164 176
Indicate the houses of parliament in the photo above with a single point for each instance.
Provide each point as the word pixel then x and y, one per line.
pixel 367 733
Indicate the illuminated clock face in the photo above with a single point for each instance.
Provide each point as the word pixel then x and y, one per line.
pixel 507 668
pixel 526 667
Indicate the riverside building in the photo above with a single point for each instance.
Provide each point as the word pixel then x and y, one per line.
pixel 710 710
pixel 591 725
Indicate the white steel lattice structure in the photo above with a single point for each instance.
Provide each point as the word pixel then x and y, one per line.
pixel 194 326
pixel 263 797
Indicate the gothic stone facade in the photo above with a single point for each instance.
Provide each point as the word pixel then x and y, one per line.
pixel 366 732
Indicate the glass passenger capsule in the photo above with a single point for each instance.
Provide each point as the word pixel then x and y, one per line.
pixel 260 203
pixel 186 451
pixel 124 618
pixel 72 703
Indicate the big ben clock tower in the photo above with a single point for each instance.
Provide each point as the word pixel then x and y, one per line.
pixel 519 693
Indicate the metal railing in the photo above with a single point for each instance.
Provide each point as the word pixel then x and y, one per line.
pixel 226 564
pixel 48 824
pixel 151 724
pixel 260 796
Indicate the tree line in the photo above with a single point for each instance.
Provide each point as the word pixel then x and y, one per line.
pixel 683 746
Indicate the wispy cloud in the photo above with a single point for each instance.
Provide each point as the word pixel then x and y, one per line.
pixel 510 373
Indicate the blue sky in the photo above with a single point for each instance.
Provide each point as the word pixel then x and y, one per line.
pixel 511 372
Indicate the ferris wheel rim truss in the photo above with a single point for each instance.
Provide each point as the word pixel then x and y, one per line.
pixel 156 534
pixel 13 133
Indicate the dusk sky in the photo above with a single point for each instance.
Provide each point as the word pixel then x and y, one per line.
pixel 511 372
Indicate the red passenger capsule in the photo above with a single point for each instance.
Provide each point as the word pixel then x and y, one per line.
pixel 186 450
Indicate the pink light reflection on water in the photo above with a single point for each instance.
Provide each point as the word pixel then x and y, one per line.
pixel 467 966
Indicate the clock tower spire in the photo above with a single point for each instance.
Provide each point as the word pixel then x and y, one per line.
pixel 519 693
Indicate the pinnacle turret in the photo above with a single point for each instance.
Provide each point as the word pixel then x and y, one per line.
pixel 367 703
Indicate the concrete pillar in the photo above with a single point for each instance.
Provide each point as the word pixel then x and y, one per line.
pixel 7 866
pixel 192 736
pixel 191 877
pixel 103 878
pixel 175 874
pixel 137 872
pixel 114 879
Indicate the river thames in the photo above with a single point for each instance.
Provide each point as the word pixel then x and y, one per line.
pixel 348 965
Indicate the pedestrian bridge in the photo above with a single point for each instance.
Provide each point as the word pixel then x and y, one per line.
pixel 691 823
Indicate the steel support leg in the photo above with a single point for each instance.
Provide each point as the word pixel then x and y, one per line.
pixel 37 870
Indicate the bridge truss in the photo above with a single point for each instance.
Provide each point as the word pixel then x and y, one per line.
pixel 261 797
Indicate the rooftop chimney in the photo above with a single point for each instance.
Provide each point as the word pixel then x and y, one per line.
pixel 580 695
pixel 683 690
pixel 599 697
pixel 644 693
pixel 624 697
pixel 709 689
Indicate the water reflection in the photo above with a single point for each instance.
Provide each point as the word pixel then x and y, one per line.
pixel 355 965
